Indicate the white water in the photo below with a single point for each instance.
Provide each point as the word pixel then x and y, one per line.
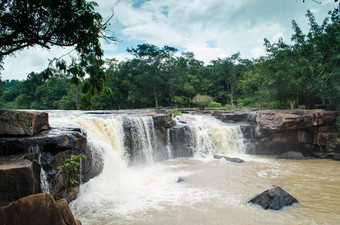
pixel 143 138
pixel 44 185
pixel 210 136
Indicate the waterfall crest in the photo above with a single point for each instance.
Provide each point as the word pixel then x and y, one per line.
pixel 204 136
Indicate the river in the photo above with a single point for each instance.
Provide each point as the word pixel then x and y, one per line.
pixel 213 191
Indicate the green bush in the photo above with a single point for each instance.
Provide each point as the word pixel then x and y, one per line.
pixel 202 101
pixel 175 113
pixel 215 105
pixel 72 167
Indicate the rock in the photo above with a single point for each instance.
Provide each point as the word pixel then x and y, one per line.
pixel 162 120
pixel 292 155
pixel 37 209
pixel 180 138
pixel 268 120
pixel 25 123
pixel 275 198
pixel 235 160
pixel 180 179
pixel 16 180
pixel 54 140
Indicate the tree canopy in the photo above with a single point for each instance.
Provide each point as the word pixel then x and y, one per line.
pixel 46 23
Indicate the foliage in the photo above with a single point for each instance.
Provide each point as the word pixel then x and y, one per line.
pixel 72 167
pixel 67 23
pixel 202 101
pixel 175 112
pixel 215 105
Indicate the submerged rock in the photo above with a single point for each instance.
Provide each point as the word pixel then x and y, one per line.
pixel 37 209
pixel 292 155
pixel 180 179
pixel 24 123
pixel 275 198
pixel 235 160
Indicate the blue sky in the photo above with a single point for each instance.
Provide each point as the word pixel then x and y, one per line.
pixel 208 28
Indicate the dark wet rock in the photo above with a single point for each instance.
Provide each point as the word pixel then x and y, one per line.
pixel 54 140
pixel 275 198
pixel 180 137
pixel 292 155
pixel 16 179
pixel 180 179
pixel 37 209
pixel 229 159
pixel 162 120
pixel 22 123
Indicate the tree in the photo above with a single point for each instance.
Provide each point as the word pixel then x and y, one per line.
pixel 149 63
pixel 27 23
pixel 202 101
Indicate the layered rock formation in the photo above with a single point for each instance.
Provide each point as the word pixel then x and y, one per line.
pixel 311 132
pixel 29 152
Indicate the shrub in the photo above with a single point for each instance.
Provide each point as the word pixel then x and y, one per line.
pixel 202 101
pixel 215 105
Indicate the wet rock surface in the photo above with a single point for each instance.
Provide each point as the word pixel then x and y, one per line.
pixel 37 209
pixel 229 159
pixel 22 123
pixel 275 198
pixel 53 140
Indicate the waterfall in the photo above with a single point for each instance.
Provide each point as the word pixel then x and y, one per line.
pixel 204 136
pixel 168 144
pixel 140 139
pixel 44 185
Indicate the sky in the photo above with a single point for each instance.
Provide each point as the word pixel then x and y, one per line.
pixel 210 29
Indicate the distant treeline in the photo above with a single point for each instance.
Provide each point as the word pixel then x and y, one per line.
pixel 306 73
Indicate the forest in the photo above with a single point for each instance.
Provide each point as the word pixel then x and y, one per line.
pixel 302 73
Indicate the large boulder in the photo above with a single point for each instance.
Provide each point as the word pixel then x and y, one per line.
pixel 37 209
pixel 275 198
pixel 16 180
pixel 23 123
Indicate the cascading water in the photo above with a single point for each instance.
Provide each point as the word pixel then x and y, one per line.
pixel 140 139
pixel 44 184
pixel 204 136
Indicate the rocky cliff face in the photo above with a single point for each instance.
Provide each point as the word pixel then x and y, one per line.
pixel 311 132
